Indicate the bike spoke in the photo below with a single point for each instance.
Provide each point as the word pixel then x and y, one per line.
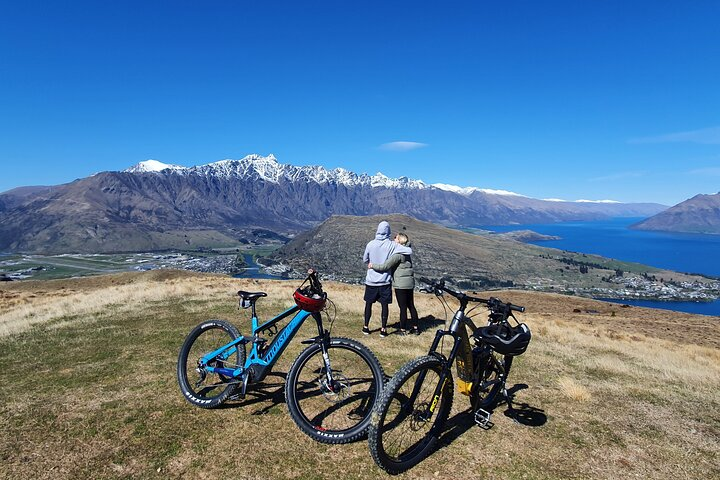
pixel 405 425
pixel 345 401
pixel 200 386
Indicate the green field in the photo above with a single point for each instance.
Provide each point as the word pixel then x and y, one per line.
pixel 46 267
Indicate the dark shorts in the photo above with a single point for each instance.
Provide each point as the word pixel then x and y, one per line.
pixel 381 293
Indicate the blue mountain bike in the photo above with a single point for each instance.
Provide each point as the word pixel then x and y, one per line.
pixel 330 389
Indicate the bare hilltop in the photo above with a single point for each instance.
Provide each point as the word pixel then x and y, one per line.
pixel 606 391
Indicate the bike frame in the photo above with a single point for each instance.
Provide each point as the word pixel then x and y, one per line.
pixel 459 321
pixel 259 365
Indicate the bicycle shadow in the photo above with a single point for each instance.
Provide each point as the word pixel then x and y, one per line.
pixel 522 414
pixel 271 389
pixel 272 393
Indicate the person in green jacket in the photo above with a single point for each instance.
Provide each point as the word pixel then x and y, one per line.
pixel 403 281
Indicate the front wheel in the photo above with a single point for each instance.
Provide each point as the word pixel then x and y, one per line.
pixel 408 419
pixel 337 410
pixel 200 387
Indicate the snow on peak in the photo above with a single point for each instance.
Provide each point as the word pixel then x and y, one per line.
pixel 268 169
pixel 470 190
pixel 578 201
pixel 152 166
pixel 499 192
pixel 381 180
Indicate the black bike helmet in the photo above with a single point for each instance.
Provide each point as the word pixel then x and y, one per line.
pixel 505 339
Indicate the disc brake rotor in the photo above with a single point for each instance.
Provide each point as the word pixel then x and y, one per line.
pixel 418 417
pixel 339 391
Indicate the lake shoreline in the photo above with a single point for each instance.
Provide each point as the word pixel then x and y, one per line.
pixel 691 253
pixel 708 308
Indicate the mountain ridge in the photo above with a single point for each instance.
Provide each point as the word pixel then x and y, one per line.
pixel 269 169
pixel 160 206
pixel 699 214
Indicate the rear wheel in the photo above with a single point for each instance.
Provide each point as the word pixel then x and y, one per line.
pixel 408 420
pixel 200 387
pixel 336 411
pixel 491 371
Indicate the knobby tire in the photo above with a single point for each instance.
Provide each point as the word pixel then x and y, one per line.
pixel 215 389
pixel 341 413
pixel 400 436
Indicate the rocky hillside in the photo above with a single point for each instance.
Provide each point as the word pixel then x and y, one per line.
pixel 481 261
pixel 700 214
pixel 155 206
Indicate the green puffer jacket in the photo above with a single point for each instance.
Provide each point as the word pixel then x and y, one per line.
pixel 402 271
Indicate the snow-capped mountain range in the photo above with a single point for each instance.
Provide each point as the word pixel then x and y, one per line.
pixel 154 206
pixel 270 170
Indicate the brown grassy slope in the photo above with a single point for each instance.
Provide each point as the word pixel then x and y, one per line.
pixel 90 392
pixel 337 246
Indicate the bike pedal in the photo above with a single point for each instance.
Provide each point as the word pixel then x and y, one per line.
pixel 482 419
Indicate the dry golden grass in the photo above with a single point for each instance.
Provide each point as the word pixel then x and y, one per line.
pixel 88 389
pixel 24 311
pixel 573 390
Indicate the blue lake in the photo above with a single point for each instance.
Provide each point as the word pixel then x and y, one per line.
pixel 691 253
pixel 253 271
pixel 702 308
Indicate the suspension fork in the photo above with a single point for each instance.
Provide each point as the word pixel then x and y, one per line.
pixel 444 372
pixel 323 339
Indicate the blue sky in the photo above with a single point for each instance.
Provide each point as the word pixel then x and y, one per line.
pixel 594 100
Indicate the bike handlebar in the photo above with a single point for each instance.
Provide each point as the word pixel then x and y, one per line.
pixel 493 303
pixel 314 280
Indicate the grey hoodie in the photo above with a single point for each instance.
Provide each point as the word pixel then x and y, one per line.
pixel 378 251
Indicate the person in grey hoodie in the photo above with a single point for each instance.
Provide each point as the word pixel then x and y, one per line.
pixel 403 281
pixel 377 284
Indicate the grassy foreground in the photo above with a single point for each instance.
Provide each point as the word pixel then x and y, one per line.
pixel 88 389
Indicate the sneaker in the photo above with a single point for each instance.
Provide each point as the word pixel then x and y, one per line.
pixel 415 331
pixel 366 331
pixel 383 333
pixel 402 332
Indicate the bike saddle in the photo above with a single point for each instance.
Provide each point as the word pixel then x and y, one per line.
pixel 251 295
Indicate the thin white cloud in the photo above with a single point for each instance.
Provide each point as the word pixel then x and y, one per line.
pixel 704 135
pixel 617 176
pixel 402 146
pixel 712 171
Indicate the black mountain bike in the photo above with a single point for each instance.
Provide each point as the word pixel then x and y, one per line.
pixel 409 416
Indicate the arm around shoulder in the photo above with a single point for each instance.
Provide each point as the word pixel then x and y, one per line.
pixel 402 249
pixel 389 264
